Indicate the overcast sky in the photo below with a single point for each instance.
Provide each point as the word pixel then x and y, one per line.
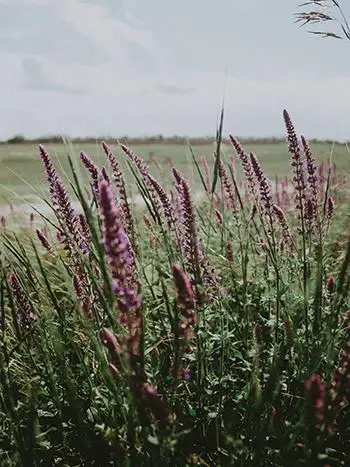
pixel 138 67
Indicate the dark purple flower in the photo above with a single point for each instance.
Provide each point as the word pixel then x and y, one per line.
pixel 43 239
pixel 297 165
pixel 331 284
pixel 110 341
pixel 330 207
pixel 283 223
pixel 104 175
pixel 312 179
pixel 93 170
pixel 155 404
pixel 167 207
pixel 187 316
pixel 51 173
pixel 246 165
pixel 316 396
pixel 264 186
pixel 123 198
pixel 26 313
pixel 69 219
pixel 119 252
pixel 145 173
pixel 228 188
pixel 339 392
pixel 187 374
pixel 191 242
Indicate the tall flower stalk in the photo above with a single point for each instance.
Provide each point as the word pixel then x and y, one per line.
pixel 123 197
pixel 186 318
pixel 122 266
pixel 70 234
pixel 300 195
pixel 191 242
pixel 25 311
pixel 92 169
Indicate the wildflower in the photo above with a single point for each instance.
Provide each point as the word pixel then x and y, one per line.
pixel 123 198
pixel 61 203
pixel 93 170
pixel 228 187
pixel 312 177
pixel 187 315
pixel 330 207
pixel 310 211
pixel 283 223
pixel 26 313
pixel 104 175
pixel 184 292
pixel 155 403
pixel 187 374
pixel 145 173
pixel 86 234
pixel 229 251
pixel 43 239
pixel 191 242
pixel 68 217
pixel 264 185
pixel 331 284
pixel 119 252
pixel 246 164
pixel 78 285
pixel 87 307
pixel 110 341
pixel 168 210
pixel 51 173
pixel 121 261
pixel 339 392
pixel 297 164
pixel 219 217
pixel 316 396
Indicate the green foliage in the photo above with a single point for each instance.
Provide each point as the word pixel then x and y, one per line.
pixel 67 398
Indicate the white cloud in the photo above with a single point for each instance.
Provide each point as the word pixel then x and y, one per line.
pixel 25 2
pixel 106 31
pixel 137 87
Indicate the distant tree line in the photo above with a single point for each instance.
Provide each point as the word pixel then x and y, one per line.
pixel 147 140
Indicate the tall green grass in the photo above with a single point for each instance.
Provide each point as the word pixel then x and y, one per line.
pixel 209 333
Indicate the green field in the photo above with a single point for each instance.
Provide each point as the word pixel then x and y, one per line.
pixel 22 177
pixel 209 331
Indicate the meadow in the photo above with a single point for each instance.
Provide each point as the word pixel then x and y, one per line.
pixel 22 177
pixel 183 332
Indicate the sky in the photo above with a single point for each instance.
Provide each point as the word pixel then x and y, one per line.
pixel 137 67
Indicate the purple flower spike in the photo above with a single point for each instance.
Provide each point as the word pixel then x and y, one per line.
pixel 228 187
pixel 25 311
pixel 51 174
pixel 118 249
pixel 297 164
pixel 93 170
pixel 187 315
pixel 43 239
pixel 330 207
pixel 121 187
pixel 246 165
